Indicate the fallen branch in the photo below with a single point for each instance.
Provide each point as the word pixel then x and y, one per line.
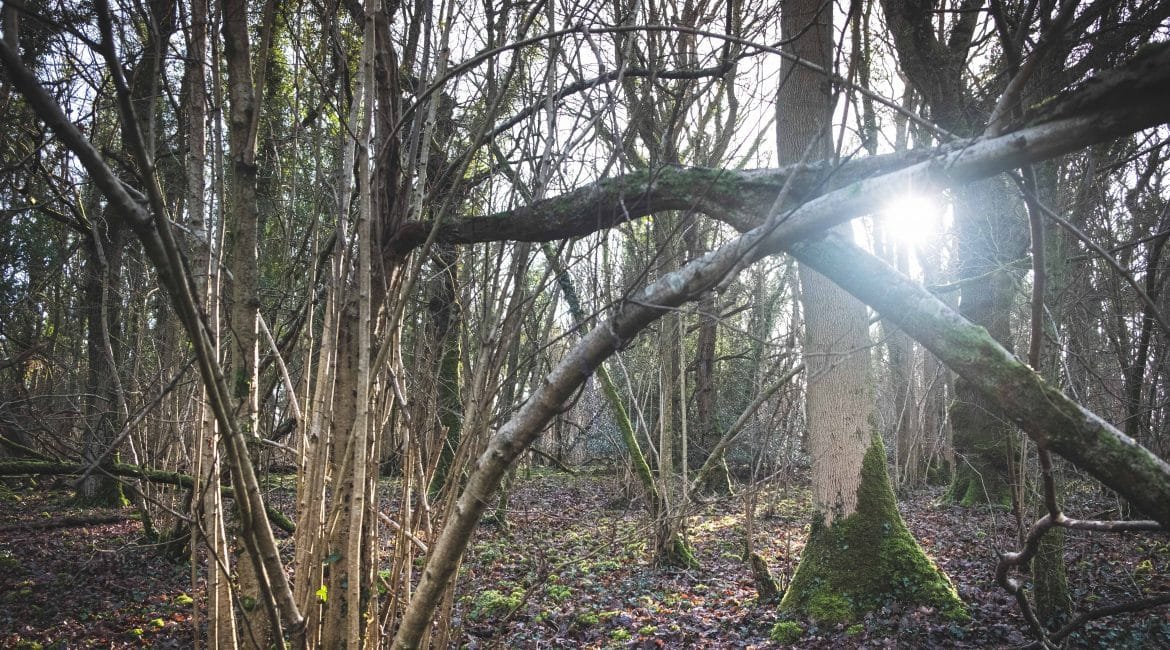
pixel 124 470
pixel 554 460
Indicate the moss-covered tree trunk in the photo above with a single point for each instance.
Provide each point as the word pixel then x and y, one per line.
pixel 853 564
pixel 859 553
pixel 989 238
pixel 990 234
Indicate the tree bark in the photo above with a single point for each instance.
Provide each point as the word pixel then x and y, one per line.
pixel 859 554
pixel 103 401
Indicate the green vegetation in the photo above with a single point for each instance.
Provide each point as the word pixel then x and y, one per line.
pixel 559 593
pixel 867 559
pixel 786 632
pixel 588 619
pixel 493 603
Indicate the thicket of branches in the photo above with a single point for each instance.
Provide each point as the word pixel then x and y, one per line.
pixel 417 240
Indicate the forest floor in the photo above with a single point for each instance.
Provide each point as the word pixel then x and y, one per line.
pixel 572 571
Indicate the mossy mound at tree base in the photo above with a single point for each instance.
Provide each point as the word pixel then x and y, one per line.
pixel 970 489
pixel 866 560
pixel 108 495
pixel 677 552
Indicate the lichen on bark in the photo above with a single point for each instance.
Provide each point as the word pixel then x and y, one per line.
pixel 867 559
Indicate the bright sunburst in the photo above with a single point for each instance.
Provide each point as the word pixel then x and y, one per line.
pixel 913 219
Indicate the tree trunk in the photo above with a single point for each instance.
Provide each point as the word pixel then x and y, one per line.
pixel 984 443
pixel 260 624
pixel 859 553
pixel 989 237
pixel 705 432
pixel 209 544
pixel 103 307
pixel 444 333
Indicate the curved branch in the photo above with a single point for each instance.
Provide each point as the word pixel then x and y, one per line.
pixel 1049 416
pixel 744 198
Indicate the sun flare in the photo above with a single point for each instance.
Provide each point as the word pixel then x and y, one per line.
pixel 913 219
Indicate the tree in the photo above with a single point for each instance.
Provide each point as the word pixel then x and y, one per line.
pixel 989 234
pixel 859 553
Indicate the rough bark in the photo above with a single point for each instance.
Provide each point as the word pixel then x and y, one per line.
pixel 866 558
pixel 859 554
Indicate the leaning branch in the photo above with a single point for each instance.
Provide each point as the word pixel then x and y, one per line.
pixel 1108 106
pixel 1046 414
pixel 738 196
pixel 977 160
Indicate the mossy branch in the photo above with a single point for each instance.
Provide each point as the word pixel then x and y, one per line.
pixel 1045 413
pixel 608 388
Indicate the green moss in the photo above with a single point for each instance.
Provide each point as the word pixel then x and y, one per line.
pixel 8 563
pixel 109 494
pixel 986 443
pixel 971 488
pixel 1053 603
pixel 241 384
pixel 867 559
pixel 678 553
pixel 493 603
pixel 558 593
pixel 786 632
pixel 825 607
